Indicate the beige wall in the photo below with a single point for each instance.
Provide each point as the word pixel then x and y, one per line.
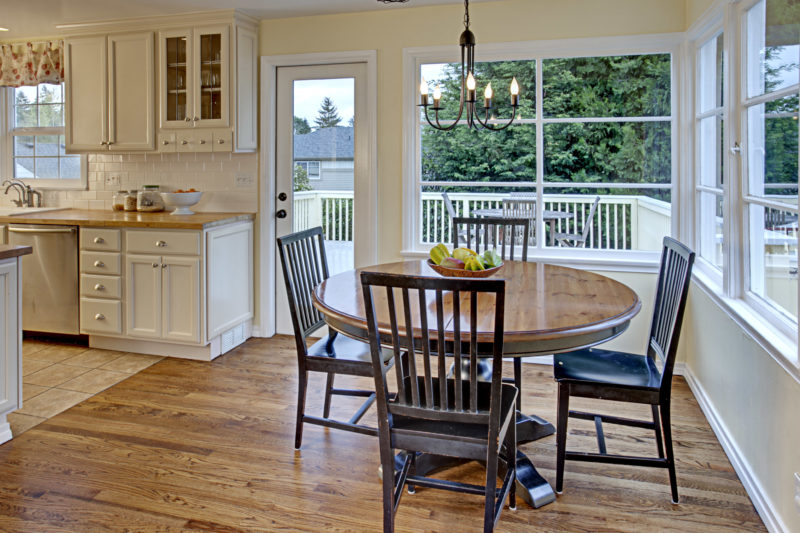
pixel 753 396
pixel 389 31
pixel 695 8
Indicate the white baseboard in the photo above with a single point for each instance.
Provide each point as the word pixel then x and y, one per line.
pixel 758 496
pixel 5 430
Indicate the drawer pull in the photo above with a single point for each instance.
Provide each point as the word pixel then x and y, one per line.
pixel 99 316
pixel 161 244
pixel 155 265
pixel 184 142
pixel 221 141
pixel 99 240
pixel 164 265
pixel 99 287
pixel 202 141
pixel 99 264
pixel 165 142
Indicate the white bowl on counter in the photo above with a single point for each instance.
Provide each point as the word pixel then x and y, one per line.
pixel 181 201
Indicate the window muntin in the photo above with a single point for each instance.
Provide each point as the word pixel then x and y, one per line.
pixel 770 120
pixel 589 146
pixel 37 135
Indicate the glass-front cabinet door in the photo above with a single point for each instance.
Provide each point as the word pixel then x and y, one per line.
pixel 195 77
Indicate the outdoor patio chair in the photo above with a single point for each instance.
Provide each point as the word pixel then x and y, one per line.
pixel 578 240
pixel 305 266
pixel 625 377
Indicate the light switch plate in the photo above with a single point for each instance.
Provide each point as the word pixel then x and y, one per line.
pixel 112 181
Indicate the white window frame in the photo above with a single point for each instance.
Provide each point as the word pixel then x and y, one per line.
pixel 769 327
pixel 413 58
pixel 304 165
pixel 7 148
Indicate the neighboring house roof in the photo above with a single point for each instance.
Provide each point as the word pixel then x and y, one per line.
pixel 324 144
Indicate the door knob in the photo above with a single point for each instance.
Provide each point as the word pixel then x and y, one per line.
pixel 282 197
pixel 281 213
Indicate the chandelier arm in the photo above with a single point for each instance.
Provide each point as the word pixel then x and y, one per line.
pixel 438 126
pixel 485 123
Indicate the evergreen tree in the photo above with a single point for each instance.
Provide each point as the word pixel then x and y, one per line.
pixel 301 182
pixel 301 126
pixel 328 115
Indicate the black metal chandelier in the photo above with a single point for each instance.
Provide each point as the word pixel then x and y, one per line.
pixel 468 86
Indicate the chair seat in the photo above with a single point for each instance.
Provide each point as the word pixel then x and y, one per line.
pixel 345 349
pixel 620 369
pixel 567 237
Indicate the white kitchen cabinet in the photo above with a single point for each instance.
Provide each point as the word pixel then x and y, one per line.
pixel 110 100
pixel 100 282
pixel 10 343
pixel 163 297
pixel 194 73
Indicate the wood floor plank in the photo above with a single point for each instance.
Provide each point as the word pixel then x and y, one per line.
pixel 192 446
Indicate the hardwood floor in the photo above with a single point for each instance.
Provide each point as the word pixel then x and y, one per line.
pixel 193 446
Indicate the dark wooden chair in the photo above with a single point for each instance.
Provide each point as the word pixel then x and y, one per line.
pixel 485 232
pixel 460 417
pixel 305 266
pixel 626 377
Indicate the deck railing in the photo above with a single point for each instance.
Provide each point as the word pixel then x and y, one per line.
pixel 620 222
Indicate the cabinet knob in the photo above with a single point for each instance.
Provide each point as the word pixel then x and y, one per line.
pixel 99 316
pixel 99 264
pixel 155 265
pixel 184 141
pixel 195 119
pixel 99 287
pixel 161 244
pixel 99 240
pixel 163 265
pixel 202 141
pixel 187 119
pixel 110 143
pixel 221 141
pixel 165 142
pixel 103 143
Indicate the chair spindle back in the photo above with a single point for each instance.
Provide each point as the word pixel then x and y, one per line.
pixel 493 232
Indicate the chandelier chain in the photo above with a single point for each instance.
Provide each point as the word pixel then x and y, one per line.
pixel 466 14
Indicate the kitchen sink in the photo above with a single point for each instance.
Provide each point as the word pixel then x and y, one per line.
pixel 15 211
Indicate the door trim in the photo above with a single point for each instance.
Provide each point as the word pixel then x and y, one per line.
pixel 265 227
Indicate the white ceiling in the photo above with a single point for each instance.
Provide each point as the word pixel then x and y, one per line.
pixel 38 18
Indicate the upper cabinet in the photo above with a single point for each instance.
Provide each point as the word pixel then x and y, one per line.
pixel 194 88
pixel 110 100
pixel 195 67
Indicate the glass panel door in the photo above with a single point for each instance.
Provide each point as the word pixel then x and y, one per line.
pixel 211 76
pixel 177 78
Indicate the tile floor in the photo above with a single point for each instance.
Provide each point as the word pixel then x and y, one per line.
pixel 57 376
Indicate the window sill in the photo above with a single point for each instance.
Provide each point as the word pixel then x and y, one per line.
pixel 781 347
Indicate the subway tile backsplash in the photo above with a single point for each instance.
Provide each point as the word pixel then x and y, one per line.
pixel 213 173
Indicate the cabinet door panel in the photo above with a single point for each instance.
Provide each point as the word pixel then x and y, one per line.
pixel 10 391
pixel 143 295
pixel 131 96
pixel 245 83
pixel 86 114
pixel 212 86
pixel 181 299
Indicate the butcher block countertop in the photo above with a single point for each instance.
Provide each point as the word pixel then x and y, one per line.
pixel 8 251
pixel 126 219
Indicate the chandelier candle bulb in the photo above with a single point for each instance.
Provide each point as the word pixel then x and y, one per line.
pixel 437 96
pixel 423 92
pixel 487 96
pixel 470 87
pixel 514 92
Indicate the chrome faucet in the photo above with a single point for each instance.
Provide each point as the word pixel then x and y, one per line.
pixel 25 193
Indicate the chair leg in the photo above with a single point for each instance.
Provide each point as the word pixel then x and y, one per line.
pixel 490 495
pixel 388 483
pixel 512 463
pixel 326 409
pixel 657 423
pixel 302 384
pixel 561 434
pixel 518 381
pixel 667 428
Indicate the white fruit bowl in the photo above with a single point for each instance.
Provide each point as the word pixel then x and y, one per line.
pixel 181 201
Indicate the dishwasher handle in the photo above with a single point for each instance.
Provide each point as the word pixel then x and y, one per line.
pixel 40 230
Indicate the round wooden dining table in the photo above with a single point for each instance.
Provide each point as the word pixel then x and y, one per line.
pixel 549 309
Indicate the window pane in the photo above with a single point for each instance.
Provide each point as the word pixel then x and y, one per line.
pixel 462 154
pixel 711 156
pixel 711 228
pixel 47 167
pixel 710 81
pixel 499 73
pixel 628 152
pixel 773 54
pixel 25 116
pixel 24 167
pixel 616 86
pixel 51 115
pixel 773 149
pixel 623 220
pixel 773 258
pixel 23 145
pixel 47 145
pixel 50 93
pixel 70 167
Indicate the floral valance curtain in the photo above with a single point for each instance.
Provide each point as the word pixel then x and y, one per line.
pixel 31 63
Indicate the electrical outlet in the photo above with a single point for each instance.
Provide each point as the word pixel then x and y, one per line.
pixel 112 181
pixel 244 180
pixel 797 491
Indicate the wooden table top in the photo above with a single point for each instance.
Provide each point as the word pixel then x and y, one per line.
pixel 549 308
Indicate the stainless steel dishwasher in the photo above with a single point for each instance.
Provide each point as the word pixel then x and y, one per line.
pixel 49 277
